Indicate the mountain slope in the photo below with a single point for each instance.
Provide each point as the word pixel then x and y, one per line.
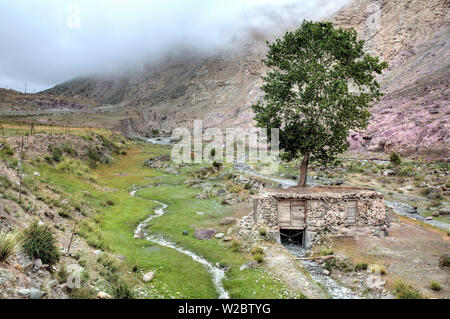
pixel 412 118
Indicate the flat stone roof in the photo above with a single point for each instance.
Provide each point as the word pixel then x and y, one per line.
pixel 319 192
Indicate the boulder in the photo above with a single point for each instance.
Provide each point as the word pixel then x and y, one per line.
pixel 219 235
pixel 444 212
pixel 221 192
pixel 103 295
pixel 148 276
pixel 37 265
pixel 36 294
pixel 388 172
pixel 23 292
pixel 249 265
pixel 206 233
pixel 436 214
pixel 227 221
pixel 435 192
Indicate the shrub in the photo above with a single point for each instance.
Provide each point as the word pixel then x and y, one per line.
pixel 7 150
pixel 56 153
pixel 361 266
pixel 39 243
pixel 405 291
pixel 257 251
pixel 259 258
pixel 108 262
pixel 5 182
pixel 93 154
pixel 213 152
pixel 8 245
pixel 434 285
pixel 235 245
pixel 395 159
pixel 68 149
pixel 121 290
pixel 262 231
pixel 83 293
pixel 326 252
pixel 217 165
pixel 62 274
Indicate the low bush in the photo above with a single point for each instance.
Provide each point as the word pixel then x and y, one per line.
pixel 39 243
pixel 235 245
pixel 121 290
pixel 262 231
pixel 361 266
pixel 83 293
pixel 257 251
pixel 56 153
pixel 406 291
pixel 395 159
pixel 434 285
pixel 8 245
pixel 62 274
pixel 259 258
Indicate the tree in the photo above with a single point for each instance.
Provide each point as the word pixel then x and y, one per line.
pixel 395 159
pixel 320 85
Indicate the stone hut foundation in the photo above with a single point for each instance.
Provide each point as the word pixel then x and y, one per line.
pixel 297 215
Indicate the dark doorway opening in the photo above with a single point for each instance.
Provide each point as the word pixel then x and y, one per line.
pixel 292 237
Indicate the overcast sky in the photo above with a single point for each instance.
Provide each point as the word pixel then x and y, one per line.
pixel 46 42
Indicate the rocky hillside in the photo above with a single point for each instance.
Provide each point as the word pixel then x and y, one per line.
pixel 412 118
pixel 11 100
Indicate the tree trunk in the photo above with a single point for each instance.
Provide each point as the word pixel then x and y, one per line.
pixel 303 171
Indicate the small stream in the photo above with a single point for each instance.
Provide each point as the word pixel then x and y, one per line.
pixel 334 289
pixel 409 211
pixel 217 273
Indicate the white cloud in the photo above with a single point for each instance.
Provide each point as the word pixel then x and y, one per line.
pixel 42 44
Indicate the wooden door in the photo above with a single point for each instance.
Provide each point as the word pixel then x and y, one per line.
pixel 351 212
pixel 291 214
pixel 284 213
pixel 298 214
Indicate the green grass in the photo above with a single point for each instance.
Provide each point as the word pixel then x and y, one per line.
pixel 112 228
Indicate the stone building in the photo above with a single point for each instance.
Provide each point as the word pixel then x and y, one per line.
pixel 296 215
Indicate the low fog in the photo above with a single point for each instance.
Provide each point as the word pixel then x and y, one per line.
pixel 46 42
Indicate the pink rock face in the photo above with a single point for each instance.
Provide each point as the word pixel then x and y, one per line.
pixel 410 125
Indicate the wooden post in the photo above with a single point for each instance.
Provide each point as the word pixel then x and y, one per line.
pixel 71 237
pixel 20 187
pixel 3 132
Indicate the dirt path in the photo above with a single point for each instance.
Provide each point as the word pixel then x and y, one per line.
pixel 411 252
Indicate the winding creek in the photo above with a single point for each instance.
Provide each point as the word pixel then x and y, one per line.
pixel 334 288
pixel 140 232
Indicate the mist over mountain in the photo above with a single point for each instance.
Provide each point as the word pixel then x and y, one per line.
pixel 48 42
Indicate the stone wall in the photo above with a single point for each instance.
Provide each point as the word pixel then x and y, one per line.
pixel 323 214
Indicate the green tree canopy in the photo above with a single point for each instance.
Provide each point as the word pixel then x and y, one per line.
pixel 319 86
